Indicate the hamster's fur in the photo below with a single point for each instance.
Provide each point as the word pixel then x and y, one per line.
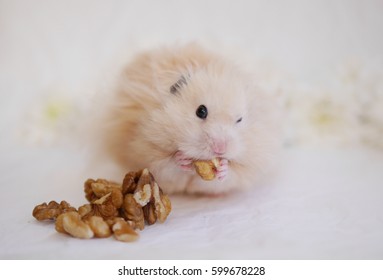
pixel 153 121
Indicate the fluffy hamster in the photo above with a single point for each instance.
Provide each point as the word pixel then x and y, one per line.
pixel 175 105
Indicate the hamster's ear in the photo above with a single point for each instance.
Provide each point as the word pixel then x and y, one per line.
pixel 174 89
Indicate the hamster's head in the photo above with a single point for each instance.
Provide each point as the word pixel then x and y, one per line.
pixel 205 114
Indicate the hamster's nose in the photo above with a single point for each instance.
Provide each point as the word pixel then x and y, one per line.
pixel 219 147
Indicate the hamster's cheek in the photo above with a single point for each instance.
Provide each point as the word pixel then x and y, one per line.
pixel 182 161
pixel 236 148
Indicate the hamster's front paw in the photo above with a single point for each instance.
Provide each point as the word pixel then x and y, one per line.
pixel 183 162
pixel 222 169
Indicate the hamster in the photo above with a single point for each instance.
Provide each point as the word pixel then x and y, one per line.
pixel 173 106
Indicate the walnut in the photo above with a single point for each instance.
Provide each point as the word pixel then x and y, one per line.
pixel 150 213
pixel 59 224
pixel 72 224
pixel 148 194
pixel 51 210
pixel 132 211
pixel 100 227
pixel 123 231
pixel 130 181
pixel 85 210
pixel 206 169
pixel 105 207
pixel 143 192
pixel 162 203
pixel 95 189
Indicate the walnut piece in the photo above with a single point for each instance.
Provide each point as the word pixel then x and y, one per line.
pixel 150 213
pixel 72 224
pixel 206 169
pixel 59 224
pixel 99 227
pixel 123 231
pixel 132 211
pixel 162 204
pixel 95 189
pixel 130 181
pixel 51 210
pixel 156 205
pixel 105 207
pixel 143 192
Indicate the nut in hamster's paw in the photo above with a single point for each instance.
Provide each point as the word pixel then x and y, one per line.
pixel 206 169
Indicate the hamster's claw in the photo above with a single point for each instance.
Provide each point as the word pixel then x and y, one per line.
pixel 183 162
pixel 222 169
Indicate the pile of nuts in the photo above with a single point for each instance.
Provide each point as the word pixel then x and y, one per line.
pixel 112 208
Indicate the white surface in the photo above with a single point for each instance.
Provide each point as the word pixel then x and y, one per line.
pixel 327 202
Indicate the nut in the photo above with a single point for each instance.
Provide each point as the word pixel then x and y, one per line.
pixel 130 181
pixel 75 226
pixel 143 192
pixel 59 224
pixel 123 231
pixel 72 224
pixel 150 213
pixel 85 210
pixel 51 210
pixel 132 211
pixel 148 194
pixel 103 207
pixel 206 169
pixel 95 189
pixel 161 203
pixel 99 227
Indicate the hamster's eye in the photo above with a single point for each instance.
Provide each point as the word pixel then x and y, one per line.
pixel 201 112
pixel 239 120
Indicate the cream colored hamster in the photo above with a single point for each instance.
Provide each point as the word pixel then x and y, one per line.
pixel 176 105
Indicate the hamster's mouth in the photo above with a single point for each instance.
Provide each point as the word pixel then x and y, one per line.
pixel 187 157
pixel 209 169
pixel 183 160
